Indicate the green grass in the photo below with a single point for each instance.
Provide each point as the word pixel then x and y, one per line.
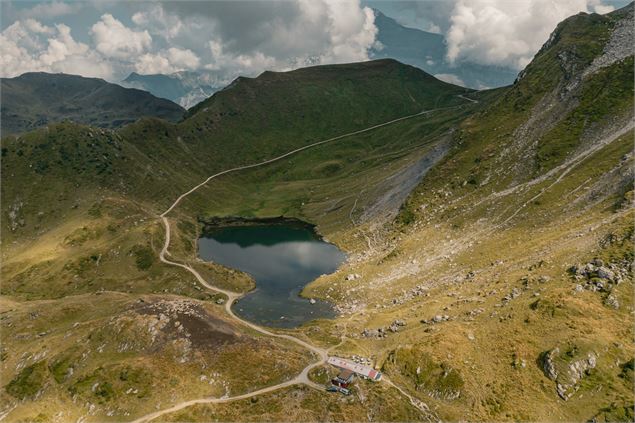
pixel 87 236
pixel 437 379
pixel 29 381
pixel 605 94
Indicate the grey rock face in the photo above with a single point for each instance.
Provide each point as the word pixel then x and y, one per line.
pixel 576 371
pixel 619 46
pixel 604 273
pixel 611 301
pixel 548 364
pixel 567 375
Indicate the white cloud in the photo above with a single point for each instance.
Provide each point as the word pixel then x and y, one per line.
pixel 50 10
pixel 506 33
pixel 183 58
pixel 603 9
pixel 158 22
pixel 29 46
pixel 450 78
pixel 149 64
pixel 233 64
pixel 249 37
pixel 114 39
pixel 431 27
pixel 36 27
pixel 231 38
pixel 167 61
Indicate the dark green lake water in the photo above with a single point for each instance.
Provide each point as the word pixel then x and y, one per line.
pixel 282 259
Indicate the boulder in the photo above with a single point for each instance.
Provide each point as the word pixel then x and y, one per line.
pixel 597 262
pixel 611 301
pixel 548 365
pixel 605 273
pixel 567 370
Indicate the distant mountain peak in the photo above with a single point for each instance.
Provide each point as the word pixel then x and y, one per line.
pixel 36 99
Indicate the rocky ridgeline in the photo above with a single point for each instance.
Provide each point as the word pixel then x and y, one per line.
pixel 567 373
pixel 619 46
pixel 596 276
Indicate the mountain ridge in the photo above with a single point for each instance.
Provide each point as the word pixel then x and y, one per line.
pixel 501 291
pixel 34 99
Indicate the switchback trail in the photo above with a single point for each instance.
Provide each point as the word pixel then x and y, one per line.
pixel 322 353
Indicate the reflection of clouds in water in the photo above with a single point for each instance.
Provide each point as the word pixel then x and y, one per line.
pixel 296 261
pixel 280 270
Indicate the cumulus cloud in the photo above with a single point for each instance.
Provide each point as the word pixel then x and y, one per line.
pixel 450 78
pixel 28 46
pixel 167 61
pixel 602 9
pixel 251 36
pixel 51 9
pixel 506 33
pixel 229 38
pixel 114 39
pixel 158 22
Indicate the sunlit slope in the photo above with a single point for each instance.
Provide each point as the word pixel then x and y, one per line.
pixel 254 119
pixel 511 263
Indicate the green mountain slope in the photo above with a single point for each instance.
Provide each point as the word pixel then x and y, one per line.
pixel 80 207
pixel 509 262
pixel 153 160
pixel 512 261
pixel 36 99
pixel 253 119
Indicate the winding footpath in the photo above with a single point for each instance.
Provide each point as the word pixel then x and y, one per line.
pixel 303 377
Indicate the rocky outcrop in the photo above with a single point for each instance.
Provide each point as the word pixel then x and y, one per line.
pixel 619 46
pixel 548 365
pixel 566 370
pixel 383 331
pixel 597 276
pixel 439 318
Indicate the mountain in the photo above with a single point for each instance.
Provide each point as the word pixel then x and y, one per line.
pixel 418 48
pixel 79 208
pixel 284 109
pixel 489 247
pixel 427 51
pixel 184 88
pixel 253 118
pixel 37 99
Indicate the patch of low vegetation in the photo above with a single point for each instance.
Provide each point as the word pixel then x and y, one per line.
pixel 144 256
pixel 29 381
pixel 437 379
pixel 615 414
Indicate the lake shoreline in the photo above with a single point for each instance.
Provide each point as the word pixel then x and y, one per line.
pixel 210 224
pixel 282 255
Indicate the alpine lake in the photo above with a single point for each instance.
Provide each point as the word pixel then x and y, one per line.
pixel 282 256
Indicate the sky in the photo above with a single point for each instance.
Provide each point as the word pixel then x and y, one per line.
pixel 109 39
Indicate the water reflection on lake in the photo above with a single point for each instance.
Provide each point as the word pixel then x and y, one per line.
pixel 282 258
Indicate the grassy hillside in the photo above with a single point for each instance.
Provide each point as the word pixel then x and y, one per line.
pixel 483 263
pixel 253 119
pixel 509 262
pixel 152 161
pixel 36 99
pixel 79 219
